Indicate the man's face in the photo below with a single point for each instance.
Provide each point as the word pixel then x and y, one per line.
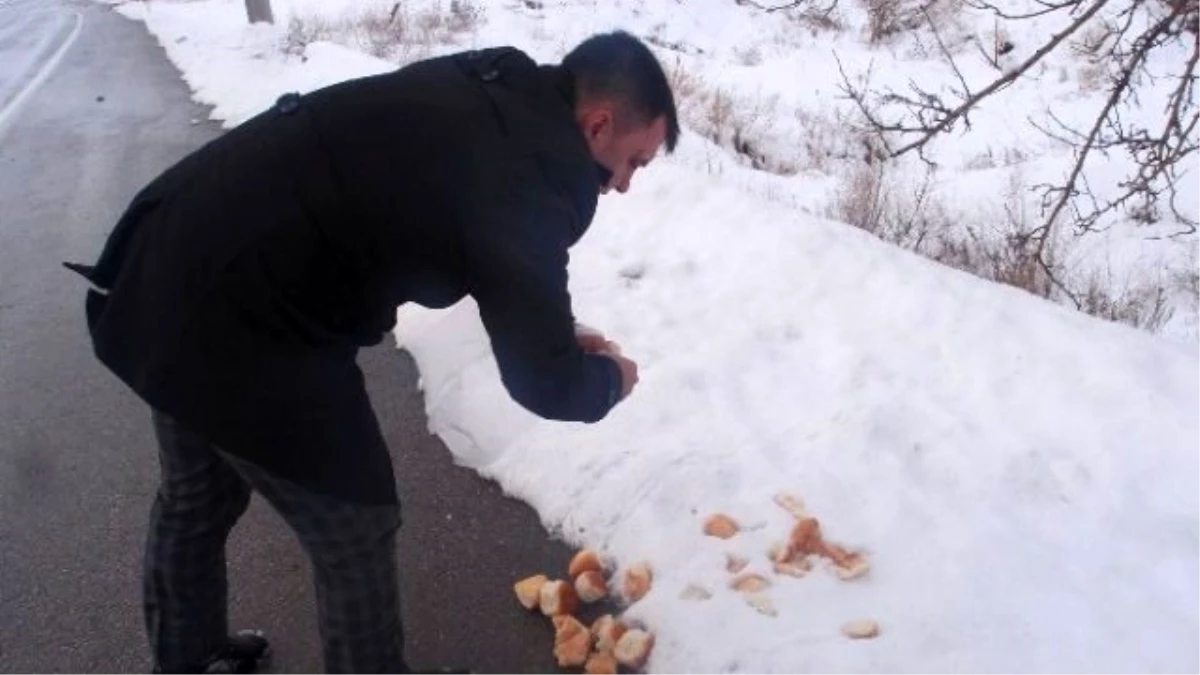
pixel 621 150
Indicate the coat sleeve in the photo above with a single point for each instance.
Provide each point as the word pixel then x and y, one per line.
pixel 517 272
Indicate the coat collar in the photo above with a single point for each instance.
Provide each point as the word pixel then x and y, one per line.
pixel 564 84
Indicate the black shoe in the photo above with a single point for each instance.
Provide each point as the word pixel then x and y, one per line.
pixel 244 653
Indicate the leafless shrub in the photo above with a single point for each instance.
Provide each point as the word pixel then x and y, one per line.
pixel 377 30
pixel 1139 303
pixel 860 200
pixel 386 31
pixel 999 250
pixel 430 25
pixel 741 123
pixel 685 84
pixel 888 18
pixel 817 16
pixel 1143 213
pixel 381 30
pixel 465 15
pixel 1187 278
pixel 303 31
pixel 909 219
pixel 989 160
pixel 749 56
pixel 828 139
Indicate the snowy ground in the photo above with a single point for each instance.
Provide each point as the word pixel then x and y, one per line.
pixel 1022 477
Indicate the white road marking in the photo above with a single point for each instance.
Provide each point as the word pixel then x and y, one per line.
pixel 9 111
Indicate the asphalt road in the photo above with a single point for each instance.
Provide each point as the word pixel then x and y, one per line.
pixel 77 459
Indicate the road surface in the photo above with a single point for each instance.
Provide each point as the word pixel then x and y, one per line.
pixel 90 109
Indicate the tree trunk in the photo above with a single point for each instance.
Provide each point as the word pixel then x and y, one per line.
pixel 259 10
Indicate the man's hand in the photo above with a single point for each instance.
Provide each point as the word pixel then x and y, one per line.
pixel 593 341
pixel 629 372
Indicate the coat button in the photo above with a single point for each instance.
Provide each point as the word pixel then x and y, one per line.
pixel 490 76
pixel 288 103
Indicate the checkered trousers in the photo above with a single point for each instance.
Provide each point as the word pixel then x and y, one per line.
pixel 351 546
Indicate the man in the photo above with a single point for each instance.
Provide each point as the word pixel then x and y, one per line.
pixel 236 290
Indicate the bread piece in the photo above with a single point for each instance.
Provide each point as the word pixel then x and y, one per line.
pixel 601 663
pixel 572 641
pixel 585 561
pixel 777 552
pixel 633 649
pixel 591 586
pixel 528 590
pixel 607 631
pixel 792 504
pixel 805 538
pixel 761 602
pixel 840 556
pixel 637 582
pixel 860 629
pixel 749 583
pixel 721 526
pixel 799 567
pixel 735 563
pixel 557 597
pixel 856 566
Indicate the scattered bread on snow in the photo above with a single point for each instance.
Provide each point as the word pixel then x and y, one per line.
pixel 607 631
pixel 601 663
pixel 591 586
pixel 636 583
pixel 860 629
pixel 585 561
pixel 558 598
pixel 572 641
pixel 609 643
pixel 528 590
pixel 633 649
pixel 721 526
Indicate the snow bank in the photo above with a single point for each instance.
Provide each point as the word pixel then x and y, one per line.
pixel 1022 477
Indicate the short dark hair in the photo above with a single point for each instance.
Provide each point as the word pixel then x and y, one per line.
pixel 619 67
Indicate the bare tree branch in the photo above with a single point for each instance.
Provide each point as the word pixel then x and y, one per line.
pixel 1123 44
pixel 787 5
pixel 1156 159
pixel 953 115
pixel 1047 8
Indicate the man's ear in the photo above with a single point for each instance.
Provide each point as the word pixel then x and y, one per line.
pixel 598 124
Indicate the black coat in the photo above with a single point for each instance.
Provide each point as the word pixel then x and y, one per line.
pixel 239 285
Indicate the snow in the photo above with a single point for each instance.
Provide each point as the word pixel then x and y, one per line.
pixel 1022 477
